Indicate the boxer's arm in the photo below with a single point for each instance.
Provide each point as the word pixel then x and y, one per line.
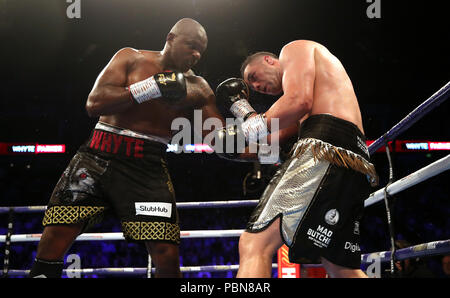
pixel 109 94
pixel 284 134
pixel 209 110
pixel 298 85
pixel 213 121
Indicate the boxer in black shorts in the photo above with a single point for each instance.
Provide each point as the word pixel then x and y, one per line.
pixel 315 200
pixel 122 167
pixel 120 171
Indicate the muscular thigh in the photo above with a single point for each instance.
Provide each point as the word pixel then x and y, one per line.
pixel 267 239
pixel 57 239
pixel 156 247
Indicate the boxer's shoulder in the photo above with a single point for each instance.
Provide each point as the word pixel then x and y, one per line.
pixel 133 57
pixel 189 73
pixel 128 53
pixel 199 91
pixel 292 48
pixel 146 56
pixel 195 80
pixel 148 62
pixel 302 43
pixel 136 55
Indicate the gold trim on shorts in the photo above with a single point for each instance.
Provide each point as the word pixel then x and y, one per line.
pixel 151 231
pixel 70 214
pixel 338 156
pixel 169 180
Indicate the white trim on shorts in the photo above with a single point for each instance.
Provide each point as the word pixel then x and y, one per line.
pixel 130 133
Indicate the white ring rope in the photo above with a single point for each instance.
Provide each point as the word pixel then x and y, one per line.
pixel 412 179
pixel 180 205
pixel 138 271
pixel 417 250
pixel 119 235
pixel 420 250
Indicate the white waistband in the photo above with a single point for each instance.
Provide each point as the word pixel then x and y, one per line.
pixel 130 133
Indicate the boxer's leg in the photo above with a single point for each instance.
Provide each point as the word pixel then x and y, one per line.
pixel 54 243
pixel 256 251
pixel 75 201
pixel 166 258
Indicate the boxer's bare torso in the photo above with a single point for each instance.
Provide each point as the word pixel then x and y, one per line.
pixel 333 91
pixel 312 80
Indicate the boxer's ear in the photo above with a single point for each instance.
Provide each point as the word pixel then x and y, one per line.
pixel 269 59
pixel 170 36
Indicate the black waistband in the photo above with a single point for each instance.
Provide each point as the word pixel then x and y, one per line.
pixel 338 132
pixel 111 144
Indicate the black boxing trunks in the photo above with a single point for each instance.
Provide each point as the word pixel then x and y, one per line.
pixel 124 172
pixel 319 193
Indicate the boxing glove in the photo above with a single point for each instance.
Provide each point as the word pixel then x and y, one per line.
pixel 169 85
pixel 233 94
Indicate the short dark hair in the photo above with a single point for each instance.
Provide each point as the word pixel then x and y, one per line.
pixel 252 57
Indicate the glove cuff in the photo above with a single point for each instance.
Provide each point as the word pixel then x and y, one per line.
pixel 242 109
pixel 145 90
pixel 255 128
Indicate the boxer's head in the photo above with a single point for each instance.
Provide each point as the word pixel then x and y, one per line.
pixel 185 44
pixel 262 72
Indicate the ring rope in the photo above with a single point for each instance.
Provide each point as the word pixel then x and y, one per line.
pixel 412 179
pixel 388 204
pixel 180 205
pixel 426 249
pixel 119 235
pixel 416 251
pixel 7 250
pixel 141 270
pixel 435 100
pixel 421 250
